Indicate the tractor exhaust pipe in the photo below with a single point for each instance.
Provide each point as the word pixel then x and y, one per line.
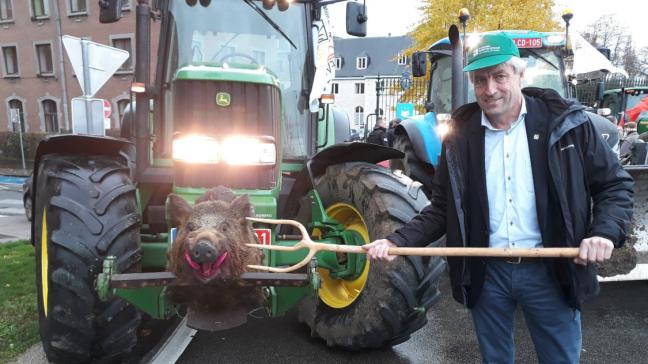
pixel 142 75
pixel 458 96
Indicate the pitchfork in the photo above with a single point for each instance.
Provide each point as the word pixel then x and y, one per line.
pixel 314 248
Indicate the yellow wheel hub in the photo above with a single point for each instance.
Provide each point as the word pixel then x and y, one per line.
pixel 44 262
pixel 340 293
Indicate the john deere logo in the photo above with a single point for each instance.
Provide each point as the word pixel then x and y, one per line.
pixel 223 99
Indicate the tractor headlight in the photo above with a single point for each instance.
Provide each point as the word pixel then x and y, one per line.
pixel 195 149
pixel 241 150
pixel 234 150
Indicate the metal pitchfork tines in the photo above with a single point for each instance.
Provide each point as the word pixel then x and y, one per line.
pixel 314 248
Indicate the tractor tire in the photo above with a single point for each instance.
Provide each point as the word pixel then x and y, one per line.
pixel 411 165
pixel 396 295
pixel 85 210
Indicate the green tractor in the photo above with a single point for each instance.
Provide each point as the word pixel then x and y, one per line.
pixel 619 101
pixel 229 105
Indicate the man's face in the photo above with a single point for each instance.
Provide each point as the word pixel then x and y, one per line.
pixel 498 90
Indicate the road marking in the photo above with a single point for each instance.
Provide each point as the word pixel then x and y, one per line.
pixel 11 202
pixel 12 211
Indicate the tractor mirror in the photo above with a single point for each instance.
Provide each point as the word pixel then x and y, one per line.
pixel 419 64
pixel 109 11
pixel 356 19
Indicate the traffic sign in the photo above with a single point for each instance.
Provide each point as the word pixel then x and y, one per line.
pixel 404 110
pixel 102 62
pixel 405 81
pixel 107 109
pixel 88 121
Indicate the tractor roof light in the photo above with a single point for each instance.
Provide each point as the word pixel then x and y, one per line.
pixel 268 4
pixel 283 5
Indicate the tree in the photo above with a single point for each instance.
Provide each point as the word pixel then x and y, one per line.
pixel 607 31
pixel 485 15
pixel 643 61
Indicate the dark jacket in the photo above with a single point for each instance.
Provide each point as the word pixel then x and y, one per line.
pixel 378 136
pixel 390 135
pixel 571 166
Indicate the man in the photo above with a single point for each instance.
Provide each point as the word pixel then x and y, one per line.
pixel 391 130
pixel 521 171
pixel 379 133
pixel 631 136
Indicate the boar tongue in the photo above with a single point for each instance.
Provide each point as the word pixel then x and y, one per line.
pixel 206 269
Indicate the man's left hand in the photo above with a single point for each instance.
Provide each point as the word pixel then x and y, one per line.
pixel 594 250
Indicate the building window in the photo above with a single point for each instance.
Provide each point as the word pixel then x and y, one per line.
pixel 338 62
pixel 121 110
pixel 78 7
pixel 16 115
pixel 259 56
pixel 359 115
pixel 40 9
pixel 335 88
pixel 6 11
pixel 44 57
pixel 124 43
pixel 359 88
pixel 402 59
pixel 361 63
pixel 10 55
pixel 50 115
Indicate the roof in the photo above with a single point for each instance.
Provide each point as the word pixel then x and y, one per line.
pixel 381 53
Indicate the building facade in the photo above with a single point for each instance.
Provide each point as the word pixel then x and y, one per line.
pixel 359 62
pixel 37 81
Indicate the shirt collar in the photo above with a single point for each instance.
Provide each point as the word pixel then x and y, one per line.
pixel 523 111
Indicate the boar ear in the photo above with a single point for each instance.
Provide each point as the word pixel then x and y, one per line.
pixel 177 210
pixel 242 206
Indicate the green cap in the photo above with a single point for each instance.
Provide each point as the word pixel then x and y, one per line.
pixel 491 50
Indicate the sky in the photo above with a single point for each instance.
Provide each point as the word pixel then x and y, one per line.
pixel 400 16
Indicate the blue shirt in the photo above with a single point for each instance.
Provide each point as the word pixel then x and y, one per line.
pixel 509 186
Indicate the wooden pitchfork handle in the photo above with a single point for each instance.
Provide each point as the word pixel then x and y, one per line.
pixel 314 248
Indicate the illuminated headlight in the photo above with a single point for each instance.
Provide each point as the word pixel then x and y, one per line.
pixel 443 127
pixel 195 149
pixel 249 151
pixel 235 150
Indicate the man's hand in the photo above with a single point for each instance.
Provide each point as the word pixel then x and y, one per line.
pixel 594 250
pixel 379 250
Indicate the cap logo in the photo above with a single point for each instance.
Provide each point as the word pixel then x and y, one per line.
pixel 486 49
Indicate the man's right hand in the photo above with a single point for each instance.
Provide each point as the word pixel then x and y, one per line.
pixel 379 250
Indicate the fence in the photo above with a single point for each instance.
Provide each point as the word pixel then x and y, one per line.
pixel 396 90
pixel 393 91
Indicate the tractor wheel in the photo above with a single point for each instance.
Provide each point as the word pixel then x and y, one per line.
pixel 411 165
pixel 388 301
pixel 85 210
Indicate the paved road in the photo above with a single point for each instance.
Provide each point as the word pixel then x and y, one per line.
pixel 615 331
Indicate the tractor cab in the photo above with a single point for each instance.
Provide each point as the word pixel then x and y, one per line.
pixel 235 69
pixel 542 52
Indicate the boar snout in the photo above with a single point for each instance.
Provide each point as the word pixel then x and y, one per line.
pixel 203 252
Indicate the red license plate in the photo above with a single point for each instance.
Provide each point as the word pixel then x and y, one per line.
pixel 528 42
pixel 264 236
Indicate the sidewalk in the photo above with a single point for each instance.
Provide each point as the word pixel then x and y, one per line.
pixel 14 228
pixel 15 172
